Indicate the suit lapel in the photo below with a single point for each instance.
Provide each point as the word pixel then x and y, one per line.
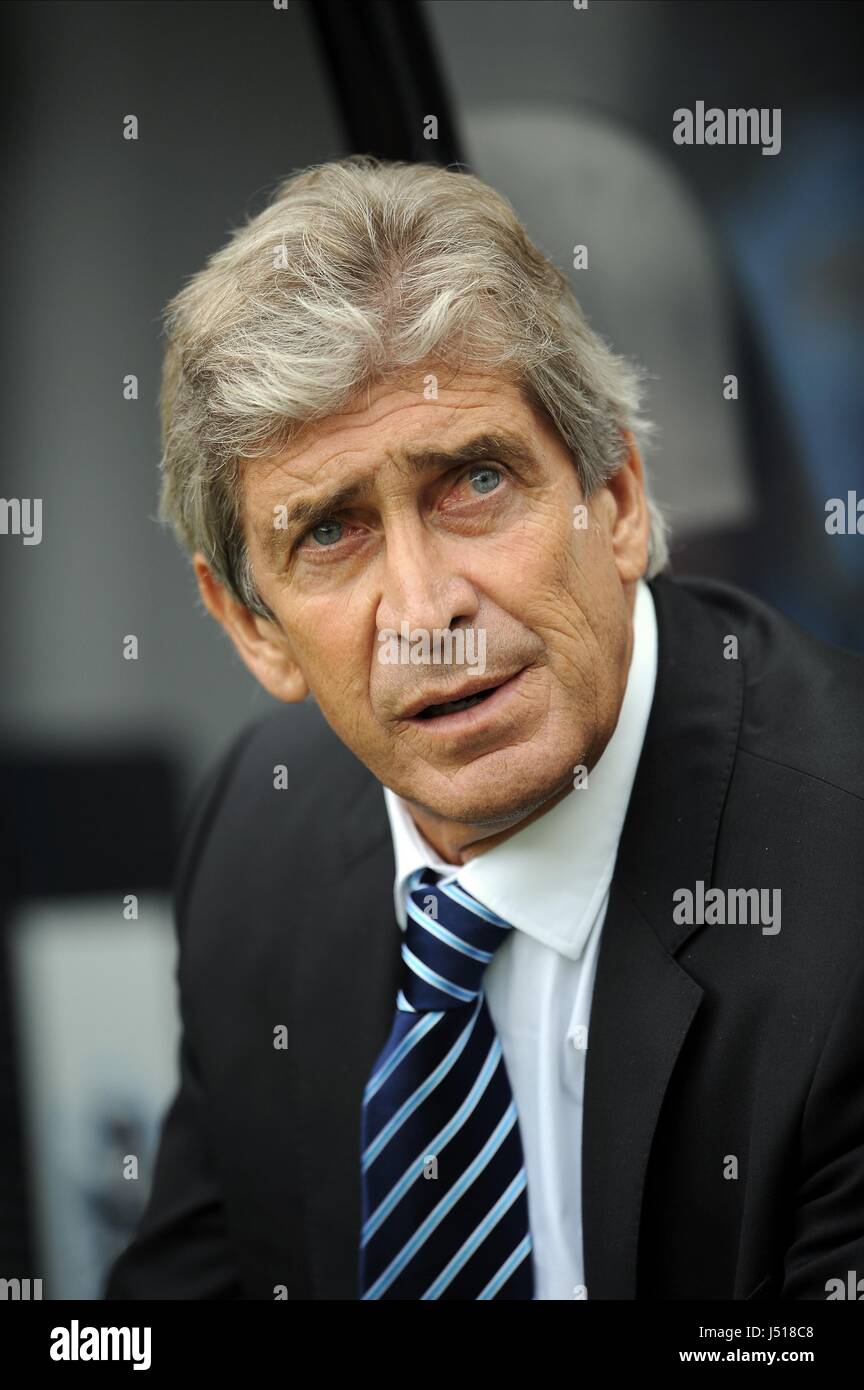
pixel 642 1008
pixel 644 1002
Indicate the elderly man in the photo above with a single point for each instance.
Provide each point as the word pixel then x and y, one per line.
pixel 609 1044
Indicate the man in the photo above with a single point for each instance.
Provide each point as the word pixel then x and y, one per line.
pixel 610 1044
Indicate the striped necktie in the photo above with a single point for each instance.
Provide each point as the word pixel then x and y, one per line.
pixel 445 1208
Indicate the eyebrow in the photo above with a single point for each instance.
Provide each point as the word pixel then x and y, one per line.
pixel 310 511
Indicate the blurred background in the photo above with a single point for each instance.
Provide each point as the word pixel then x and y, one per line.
pixel 703 262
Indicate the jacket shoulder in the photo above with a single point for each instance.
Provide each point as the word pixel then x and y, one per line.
pixel 286 791
pixel 803 699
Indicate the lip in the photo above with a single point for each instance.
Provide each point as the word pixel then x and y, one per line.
pixel 477 716
pixel 442 697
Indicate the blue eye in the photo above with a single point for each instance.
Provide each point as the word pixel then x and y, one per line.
pixel 326 534
pixel 325 526
pixel 484 473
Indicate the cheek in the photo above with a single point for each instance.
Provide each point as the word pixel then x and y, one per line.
pixel 341 673
pixel 594 653
pixel 326 637
pixel 563 566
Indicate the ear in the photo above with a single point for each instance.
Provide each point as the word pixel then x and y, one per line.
pixel 630 521
pixel 261 644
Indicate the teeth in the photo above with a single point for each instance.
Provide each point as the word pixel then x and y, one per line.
pixel 452 706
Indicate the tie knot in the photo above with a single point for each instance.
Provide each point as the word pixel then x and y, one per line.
pixel 450 938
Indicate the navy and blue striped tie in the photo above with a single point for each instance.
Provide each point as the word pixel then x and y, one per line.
pixel 445 1208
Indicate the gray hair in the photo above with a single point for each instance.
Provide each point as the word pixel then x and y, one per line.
pixel 357 270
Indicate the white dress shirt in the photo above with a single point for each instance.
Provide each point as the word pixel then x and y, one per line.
pixel 551 881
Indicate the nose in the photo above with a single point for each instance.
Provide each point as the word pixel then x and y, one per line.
pixel 423 585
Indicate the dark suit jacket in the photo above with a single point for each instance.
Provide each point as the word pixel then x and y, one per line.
pixel 710 1046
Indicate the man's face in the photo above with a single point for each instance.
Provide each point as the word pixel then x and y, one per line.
pixel 433 544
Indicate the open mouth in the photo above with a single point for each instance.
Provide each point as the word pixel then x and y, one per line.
pixel 453 706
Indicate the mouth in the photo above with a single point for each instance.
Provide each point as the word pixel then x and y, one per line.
pixel 468 712
pixel 454 706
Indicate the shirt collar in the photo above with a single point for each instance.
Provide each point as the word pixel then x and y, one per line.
pixel 550 879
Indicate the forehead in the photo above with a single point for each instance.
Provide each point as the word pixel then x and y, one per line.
pixel 393 421
pixel 390 424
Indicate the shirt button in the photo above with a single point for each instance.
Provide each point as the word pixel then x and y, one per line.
pixel 579 1038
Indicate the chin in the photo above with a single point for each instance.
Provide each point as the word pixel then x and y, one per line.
pixel 492 798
